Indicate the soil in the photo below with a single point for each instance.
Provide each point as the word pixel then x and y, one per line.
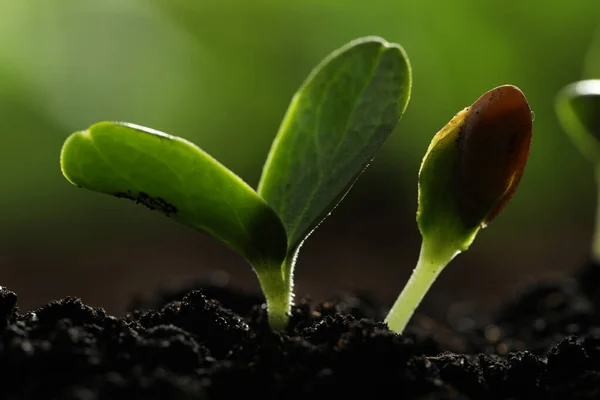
pixel 210 342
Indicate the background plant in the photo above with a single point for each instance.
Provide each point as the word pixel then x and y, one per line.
pixel 336 122
pixel 578 109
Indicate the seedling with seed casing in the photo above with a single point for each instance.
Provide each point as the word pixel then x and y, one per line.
pixel 336 122
pixel 470 171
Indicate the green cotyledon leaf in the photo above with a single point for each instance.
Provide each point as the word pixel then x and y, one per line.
pixel 336 122
pixel 173 176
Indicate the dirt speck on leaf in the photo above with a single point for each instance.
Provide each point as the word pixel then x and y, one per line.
pixel 153 203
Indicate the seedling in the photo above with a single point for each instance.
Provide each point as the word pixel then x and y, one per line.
pixel 578 109
pixel 470 171
pixel 336 122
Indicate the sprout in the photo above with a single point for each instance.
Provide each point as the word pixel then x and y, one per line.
pixel 470 171
pixel 335 124
pixel 578 109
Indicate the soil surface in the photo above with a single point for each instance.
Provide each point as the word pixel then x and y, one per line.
pixel 207 342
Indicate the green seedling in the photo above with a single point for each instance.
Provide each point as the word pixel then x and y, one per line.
pixel 470 171
pixel 578 110
pixel 336 122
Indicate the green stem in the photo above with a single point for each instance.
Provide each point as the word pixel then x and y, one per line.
pixel 288 267
pixel 276 284
pixel 596 240
pixel 432 259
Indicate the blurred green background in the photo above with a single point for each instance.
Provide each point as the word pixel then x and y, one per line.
pixel 221 74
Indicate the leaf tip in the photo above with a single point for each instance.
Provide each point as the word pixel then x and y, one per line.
pixel 144 129
pixel 367 39
pixel 65 151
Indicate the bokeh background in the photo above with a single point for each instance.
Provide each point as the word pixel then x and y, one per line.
pixel 221 73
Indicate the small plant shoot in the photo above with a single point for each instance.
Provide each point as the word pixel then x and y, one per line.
pixel 470 171
pixel 336 122
pixel 578 109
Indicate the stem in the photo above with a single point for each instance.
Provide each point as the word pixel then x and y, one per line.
pixel 432 259
pixel 278 311
pixel 276 284
pixel 288 268
pixel 596 239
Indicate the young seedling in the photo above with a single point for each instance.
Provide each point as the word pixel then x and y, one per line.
pixel 470 171
pixel 336 122
pixel 578 110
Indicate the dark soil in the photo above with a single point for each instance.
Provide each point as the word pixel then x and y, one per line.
pixel 213 343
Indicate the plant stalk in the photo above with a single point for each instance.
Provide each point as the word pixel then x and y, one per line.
pixel 277 284
pixel 432 260
pixel 596 239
